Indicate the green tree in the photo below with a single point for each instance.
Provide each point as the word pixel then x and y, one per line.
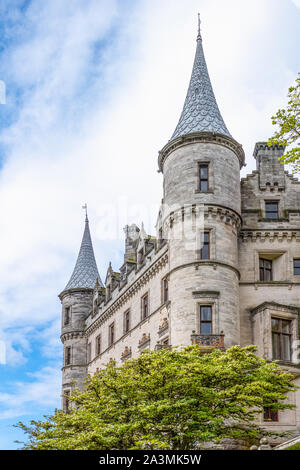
pixel 288 133
pixel 167 399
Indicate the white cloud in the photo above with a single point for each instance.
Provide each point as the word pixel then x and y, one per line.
pixel 42 392
pixel 297 3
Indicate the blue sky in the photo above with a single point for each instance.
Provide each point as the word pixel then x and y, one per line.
pixel 94 90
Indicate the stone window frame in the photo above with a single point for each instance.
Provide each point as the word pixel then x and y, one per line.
pixel 207 298
pixel 98 344
pixel 89 351
pixel 206 321
pixel 111 327
pixel 68 357
pixel 212 243
pixel 163 291
pixel 271 201
pixel 297 258
pixel 281 334
pixel 67 308
pixel 66 400
pixel 125 331
pixel 146 294
pixel 211 185
pixel 272 255
pixel 263 315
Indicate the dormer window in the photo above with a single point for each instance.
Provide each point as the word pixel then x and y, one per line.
pixel 272 210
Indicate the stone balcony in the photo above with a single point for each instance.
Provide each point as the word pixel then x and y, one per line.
pixel 159 346
pixel 208 342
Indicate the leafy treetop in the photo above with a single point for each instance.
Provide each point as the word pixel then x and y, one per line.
pixel 288 133
pixel 167 399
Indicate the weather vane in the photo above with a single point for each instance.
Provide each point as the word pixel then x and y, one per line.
pixel 85 207
pixel 199 25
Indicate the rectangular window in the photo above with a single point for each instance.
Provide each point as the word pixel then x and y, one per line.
pixel 89 352
pixel 296 267
pixel 111 332
pixel 98 345
pixel 205 320
pixel 67 401
pixel 265 270
pixel 205 245
pixel 270 414
pixel 68 356
pixel 165 290
pixel 281 339
pixel 272 210
pixel 145 306
pixel 126 321
pixel 203 177
pixel 67 316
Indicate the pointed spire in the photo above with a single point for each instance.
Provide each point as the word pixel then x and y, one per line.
pixel 199 38
pixel 85 272
pixel 200 111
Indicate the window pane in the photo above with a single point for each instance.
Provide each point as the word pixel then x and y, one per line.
pixel 206 313
pixel 203 185
pixel 268 276
pixel 286 348
pixel 276 345
pixel 286 326
pixel 275 324
pixel 203 171
pixel 272 207
pixel 205 252
pixel 296 267
pixel 271 210
pixel 206 328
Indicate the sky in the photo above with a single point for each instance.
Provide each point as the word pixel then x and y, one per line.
pixel 94 89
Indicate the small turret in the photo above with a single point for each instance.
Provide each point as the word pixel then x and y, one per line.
pixel 271 171
pixel 77 302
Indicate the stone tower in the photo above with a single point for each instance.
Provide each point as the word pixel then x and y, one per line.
pixel 76 299
pixel 201 217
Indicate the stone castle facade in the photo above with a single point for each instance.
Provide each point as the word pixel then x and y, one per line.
pixel 223 268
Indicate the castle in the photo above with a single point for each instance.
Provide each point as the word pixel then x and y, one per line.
pixel 223 268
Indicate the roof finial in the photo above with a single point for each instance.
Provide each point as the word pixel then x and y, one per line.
pixel 199 38
pixel 86 216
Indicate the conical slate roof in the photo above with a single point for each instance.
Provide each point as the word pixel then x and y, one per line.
pixel 85 272
pixel 200 112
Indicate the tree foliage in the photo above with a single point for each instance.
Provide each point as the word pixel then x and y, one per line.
pixel 288 133
pixel 167 399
